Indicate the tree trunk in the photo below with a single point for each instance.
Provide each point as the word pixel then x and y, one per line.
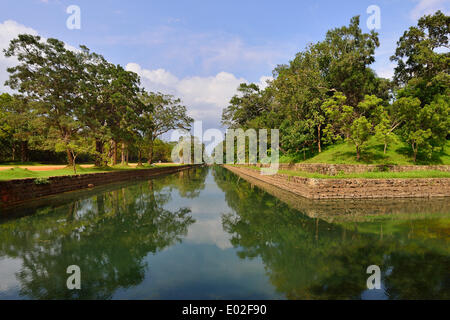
pixel 152 202
pixel 139 158
pixel 358 153
pixel 13 152
pixel 23 151
pixel 99 150
pixel 72 210
pixel 414 152
pixel 69 158
pixel 100 204
pixel 127 156
pixel 385 147
pixel 114 153
pixel 150 152
pixel 123 153
pixel 74 165
pixel 319 138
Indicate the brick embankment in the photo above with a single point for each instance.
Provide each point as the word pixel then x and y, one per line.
pixel 334 169
pixel 333 210
pixel 17 191
pixel 352 188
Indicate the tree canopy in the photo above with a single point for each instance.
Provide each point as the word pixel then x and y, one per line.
pixel 329 94
pixel 77 102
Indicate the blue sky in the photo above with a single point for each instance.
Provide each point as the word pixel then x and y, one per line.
pixel 201 50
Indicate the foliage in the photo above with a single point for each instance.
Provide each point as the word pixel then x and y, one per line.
pixel 359 134
pixel 75 101
pixel 329 94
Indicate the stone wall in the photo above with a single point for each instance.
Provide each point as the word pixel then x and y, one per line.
pixel 334 210
pixel 16 191
pixel 352 188
pixel 334 169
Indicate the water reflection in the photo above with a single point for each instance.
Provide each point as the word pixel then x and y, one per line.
pixel 107 234
pixel 311 258
pixel 208 234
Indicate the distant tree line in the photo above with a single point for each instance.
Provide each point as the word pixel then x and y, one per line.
pixel 76 102
pixel 328 93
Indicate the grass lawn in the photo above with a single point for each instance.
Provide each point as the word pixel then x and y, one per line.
pixel 366 175
pixel 8 164
pixel 397 153
pixel 20 173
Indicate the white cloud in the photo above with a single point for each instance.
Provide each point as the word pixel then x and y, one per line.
pixel 227 52
pixel 204 96
pixel 264 81
pixel 208 52
pixel 386 70
pixel 8 268
pixel 159 77
pixel 429 7
pixel 9 29
pixel 209 232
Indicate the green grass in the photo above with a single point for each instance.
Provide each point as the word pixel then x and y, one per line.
pixel 366 175
pixel 397 153
pixel 19 173
pixel 14 163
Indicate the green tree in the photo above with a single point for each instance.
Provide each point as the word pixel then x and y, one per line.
pixel 162 150
pixel 250 103
pixel 340 117
pixel 6 131
pixel 49 74
pixel 424 127
pixel 417 55
pixel 359 133
pixel 346 54
pixel 383 130
pixel 301 89
pixel 82 144
pixel 111 103
pixel 168 114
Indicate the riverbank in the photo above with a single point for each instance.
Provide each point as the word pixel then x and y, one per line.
pixel 361 210
pixel 16 191
pixel 350 188
pixel 326 171
pixel 46 171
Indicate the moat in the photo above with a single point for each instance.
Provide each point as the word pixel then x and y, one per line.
pixel 205 233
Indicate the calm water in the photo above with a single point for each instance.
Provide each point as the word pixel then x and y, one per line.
pixel 207 234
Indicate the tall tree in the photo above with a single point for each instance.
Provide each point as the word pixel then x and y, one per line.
pixel 110 102
pixel 423 74
pixel 359 134
pixel 425 128
pixel 418 55
pixel 48 73
pixel 250 103
pixel 168 114
pixel 346 54
pixel 7 145
pixel 301 89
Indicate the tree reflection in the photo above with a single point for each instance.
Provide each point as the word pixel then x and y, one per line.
pixel 107 235
pixel 189 183
pixel 310 258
